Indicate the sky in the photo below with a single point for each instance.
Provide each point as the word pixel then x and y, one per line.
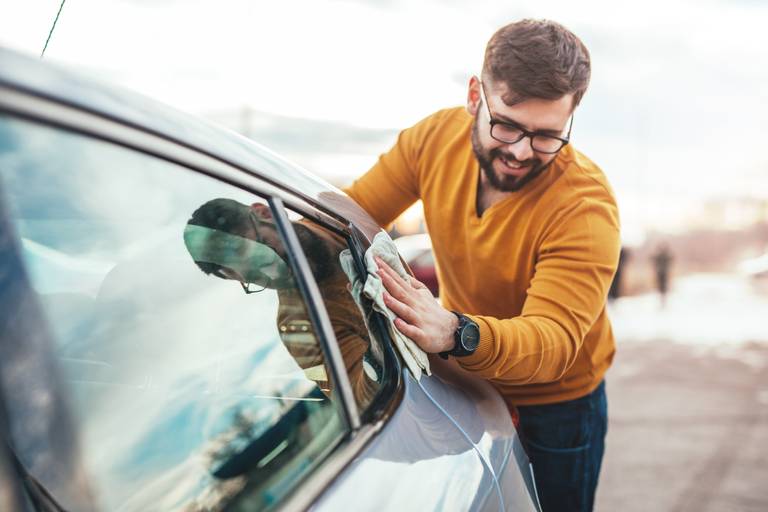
pixel 675 115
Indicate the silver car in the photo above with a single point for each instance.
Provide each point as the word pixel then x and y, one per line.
pixel 135 376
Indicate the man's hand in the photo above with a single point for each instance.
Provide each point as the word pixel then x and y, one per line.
pixel 419 315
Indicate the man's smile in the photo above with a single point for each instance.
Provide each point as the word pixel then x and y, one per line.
pixel 513 167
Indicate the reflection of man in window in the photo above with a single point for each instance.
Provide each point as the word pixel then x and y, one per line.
pixel 231 240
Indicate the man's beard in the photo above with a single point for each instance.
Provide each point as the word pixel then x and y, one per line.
pixel 504 183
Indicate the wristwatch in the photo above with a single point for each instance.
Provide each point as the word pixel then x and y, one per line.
pixel 467 338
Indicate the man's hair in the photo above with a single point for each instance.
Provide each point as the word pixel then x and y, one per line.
pixel 537 59
pixel 224 215
pixel 230 216
pixel 322 258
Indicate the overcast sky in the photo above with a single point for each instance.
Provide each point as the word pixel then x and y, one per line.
pixel 676 113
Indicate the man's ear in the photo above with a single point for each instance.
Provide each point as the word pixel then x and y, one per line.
pixel 262 211
pixel 473 96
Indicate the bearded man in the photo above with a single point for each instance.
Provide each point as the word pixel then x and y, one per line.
pixel 525 233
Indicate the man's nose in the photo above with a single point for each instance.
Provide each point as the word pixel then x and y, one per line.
pixel 521 149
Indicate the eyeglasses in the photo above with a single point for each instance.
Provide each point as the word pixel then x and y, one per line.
pixel 510 133
pixel 250 288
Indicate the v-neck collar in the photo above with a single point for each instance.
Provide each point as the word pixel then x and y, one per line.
pixel 529 188
pixel 478 217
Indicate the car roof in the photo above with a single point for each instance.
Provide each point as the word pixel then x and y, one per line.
pixel 53 82
pixel 62 85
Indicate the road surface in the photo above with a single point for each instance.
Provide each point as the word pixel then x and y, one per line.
pixel 688 402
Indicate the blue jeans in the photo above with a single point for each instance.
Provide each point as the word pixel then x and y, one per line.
pixel 565 443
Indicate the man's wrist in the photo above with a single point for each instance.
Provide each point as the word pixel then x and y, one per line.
pixel 466 337
pixel 449 342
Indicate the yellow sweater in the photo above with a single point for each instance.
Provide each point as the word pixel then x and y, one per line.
pixel 533 271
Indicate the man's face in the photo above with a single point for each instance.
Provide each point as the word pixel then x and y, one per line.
pixel 263 229
pixel 508 167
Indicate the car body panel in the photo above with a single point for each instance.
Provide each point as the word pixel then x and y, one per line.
pixel 483 414
pixel 424 465
pixel 427 467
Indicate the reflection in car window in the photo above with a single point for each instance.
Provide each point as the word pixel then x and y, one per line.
pixel 186 385
pixel 350 318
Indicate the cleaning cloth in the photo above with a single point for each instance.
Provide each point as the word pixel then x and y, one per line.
pixel 372 287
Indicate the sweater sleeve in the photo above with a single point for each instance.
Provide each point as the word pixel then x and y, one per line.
pixel 576 263
pixel 392 184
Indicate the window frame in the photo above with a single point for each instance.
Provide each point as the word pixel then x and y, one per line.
pixel 54 113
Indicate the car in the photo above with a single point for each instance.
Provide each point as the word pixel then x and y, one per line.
pixel 416 250
pixel 137 374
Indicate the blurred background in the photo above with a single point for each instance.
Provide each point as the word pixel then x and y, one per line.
pixel 676 116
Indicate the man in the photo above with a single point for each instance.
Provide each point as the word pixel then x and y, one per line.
pixel 234 241
pixel 526 238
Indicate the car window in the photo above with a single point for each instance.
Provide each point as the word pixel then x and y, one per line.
pixel 192 370
pixel 351 315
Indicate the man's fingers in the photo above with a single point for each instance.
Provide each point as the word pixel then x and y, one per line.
pixel 396 288
pixel 409 330
pixel 402 310
pixel 392 286
pixel 391 273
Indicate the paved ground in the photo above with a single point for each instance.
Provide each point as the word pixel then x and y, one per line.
pixel 688 429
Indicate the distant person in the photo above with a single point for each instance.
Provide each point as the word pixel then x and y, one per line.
pixel 234 241
pixel 662 260
pixel 525 231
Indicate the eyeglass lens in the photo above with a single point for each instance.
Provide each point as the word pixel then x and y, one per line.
pixel 510 134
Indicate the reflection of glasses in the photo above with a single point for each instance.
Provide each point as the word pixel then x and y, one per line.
pixel 249 288
pixel 229 273
pixel 510 133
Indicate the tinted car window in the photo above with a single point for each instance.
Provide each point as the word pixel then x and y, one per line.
pixel 186 383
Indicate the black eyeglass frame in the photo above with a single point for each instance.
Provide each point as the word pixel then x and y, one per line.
pixel 247 286
pixel 248 290
pixel 524 133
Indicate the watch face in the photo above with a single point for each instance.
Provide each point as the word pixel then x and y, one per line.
pixel 470 337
